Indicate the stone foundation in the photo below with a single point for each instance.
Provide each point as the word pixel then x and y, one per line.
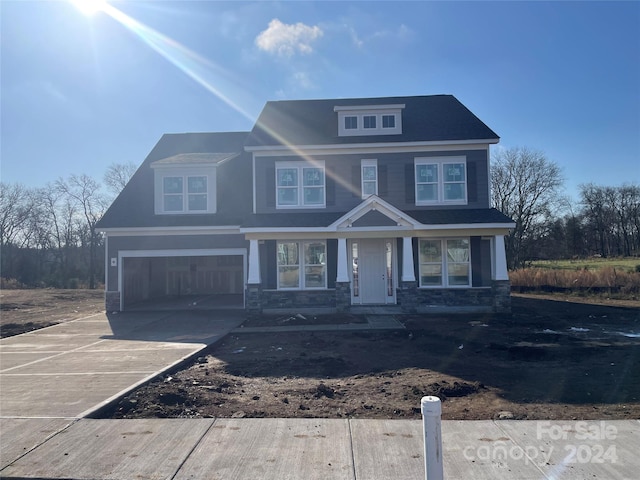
pixel 343 296
pixel 253 299
pixel 470 300
pixel 407 296
pixel 112 301
pixel 501 296
pixel 297 299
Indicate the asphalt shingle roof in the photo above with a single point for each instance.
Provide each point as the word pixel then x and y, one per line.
pixel 457 216
pixel 134 207
pixel 314 122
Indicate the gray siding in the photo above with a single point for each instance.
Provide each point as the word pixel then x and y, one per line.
pixel 167 242
pixel 395 185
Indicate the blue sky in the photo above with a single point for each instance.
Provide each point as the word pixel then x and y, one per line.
pixel 80 92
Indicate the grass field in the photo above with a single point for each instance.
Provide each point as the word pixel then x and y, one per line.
pixel 628 264
pixel 613 277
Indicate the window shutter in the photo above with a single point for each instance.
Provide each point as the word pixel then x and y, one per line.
pixel 472 183
pixel 355 181
pixel 271 187
pixel 382 181
pixel 330 185
pixel 409 183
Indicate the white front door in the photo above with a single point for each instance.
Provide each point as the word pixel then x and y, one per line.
pixel 373 278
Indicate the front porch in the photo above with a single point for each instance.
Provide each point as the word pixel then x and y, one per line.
pixel 377 256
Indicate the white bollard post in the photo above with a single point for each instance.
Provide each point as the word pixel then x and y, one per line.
pixel 431 412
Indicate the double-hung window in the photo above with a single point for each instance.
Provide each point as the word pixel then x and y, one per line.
pixel 184 193
pixel 441 180
pixel 302 265
pixel 369 176
pixel 300 185
pixel 445 262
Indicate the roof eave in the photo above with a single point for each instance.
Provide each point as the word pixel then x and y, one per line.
pixel 355 146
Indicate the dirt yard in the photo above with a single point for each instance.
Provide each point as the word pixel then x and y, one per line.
pixel 26 310
pixel 550 359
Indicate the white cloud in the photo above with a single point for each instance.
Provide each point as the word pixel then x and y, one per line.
pixel 286 40
pixel 303 80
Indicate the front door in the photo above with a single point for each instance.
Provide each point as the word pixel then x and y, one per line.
pixel 372 271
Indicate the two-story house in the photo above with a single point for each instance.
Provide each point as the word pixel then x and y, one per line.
pixel 325 204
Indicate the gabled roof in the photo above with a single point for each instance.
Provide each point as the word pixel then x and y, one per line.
pixel 431 118
pixel 135 206
pixel 374 203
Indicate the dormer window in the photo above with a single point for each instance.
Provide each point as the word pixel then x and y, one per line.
pixel 176 199
pixel 351 122
pixel 186 183
pixel 369 120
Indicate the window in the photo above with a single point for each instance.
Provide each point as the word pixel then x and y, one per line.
pixel 369 175
pixel 454 181
pixel 174 197
pixel 350 123
pixel 173 194
pixel 369 121
pixel 426 183
pixel 197 193
pixel 445 263
pixel 306 271
pixel 388 121
pixel 442 180
pixel 300 185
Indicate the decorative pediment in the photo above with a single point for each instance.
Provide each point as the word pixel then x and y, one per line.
pixel 374 212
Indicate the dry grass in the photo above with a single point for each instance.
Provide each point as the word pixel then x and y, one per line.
pixel 608 278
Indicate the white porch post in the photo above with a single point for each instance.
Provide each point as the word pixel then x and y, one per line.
pixel 254 263
pixel 500 259
pixel 343 272
pixel 408 272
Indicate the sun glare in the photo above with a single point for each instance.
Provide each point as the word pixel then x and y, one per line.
pixel 89 7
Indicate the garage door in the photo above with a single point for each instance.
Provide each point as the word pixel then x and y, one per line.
pixel 184 281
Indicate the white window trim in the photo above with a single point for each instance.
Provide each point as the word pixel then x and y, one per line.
pixel 301 266
pixel 299 166
pixel 185 173
pixel 444 264
pixel 368 163
pixel 361 111
pixel 441 162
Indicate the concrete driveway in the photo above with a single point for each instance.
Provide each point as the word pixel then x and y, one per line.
pixel 52 376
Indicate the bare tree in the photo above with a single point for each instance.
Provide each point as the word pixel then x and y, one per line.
pixel 118 175
pixel 612 217
pixel 16 203
pixel 16 206
pixel 525 185
pixel 84 191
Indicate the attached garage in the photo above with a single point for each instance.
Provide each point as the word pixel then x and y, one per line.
pixel 182 279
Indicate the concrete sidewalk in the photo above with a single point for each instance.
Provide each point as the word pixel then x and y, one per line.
pixel 307 449
pixel 51 378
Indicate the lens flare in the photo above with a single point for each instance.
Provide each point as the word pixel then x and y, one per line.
pixel 89 7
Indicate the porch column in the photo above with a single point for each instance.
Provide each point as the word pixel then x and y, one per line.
pixel 254 263
pixel 343 272
pixel 408 272
pixel 500 259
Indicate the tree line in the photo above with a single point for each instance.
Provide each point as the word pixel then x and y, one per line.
pixel 528 187
pixel 48 236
